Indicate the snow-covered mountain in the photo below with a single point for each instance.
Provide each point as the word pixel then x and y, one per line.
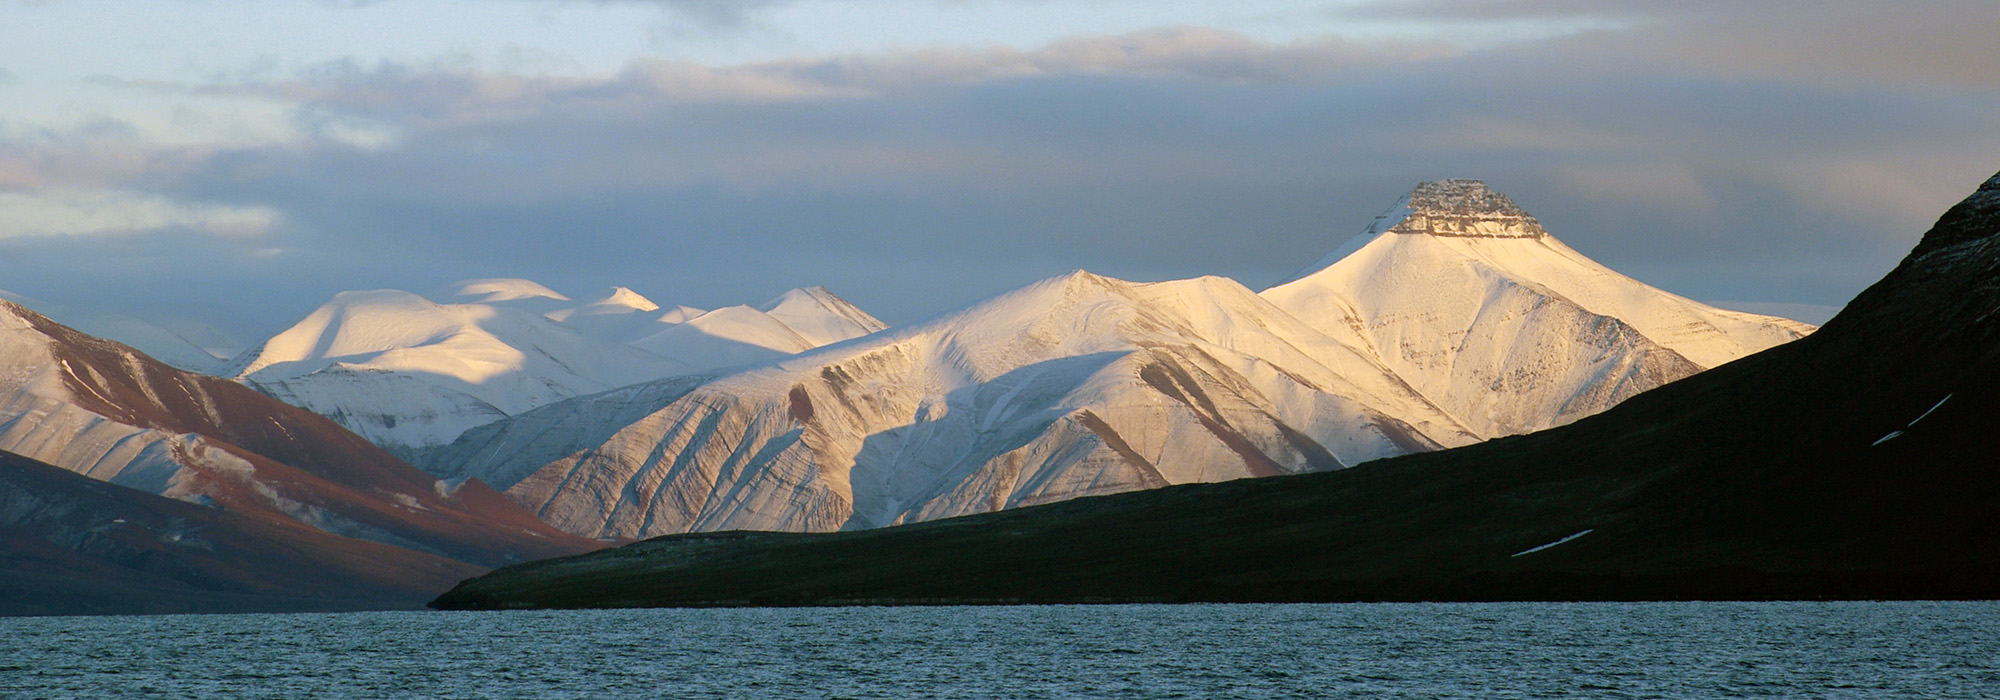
pixel 1075 386
pixel 819 317
pixel 526 295
pixel 726 337
pixel 619 315
pixel 794 322
pixel 408 373
pixel 798 320
pixel 411 374
pixel 1467 298
pixel 110 413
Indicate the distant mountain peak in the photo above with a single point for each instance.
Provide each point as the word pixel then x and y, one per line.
pixel 621 296
pixel 494 289
pixel 820 316
pixel 680 314
pixel 1458 208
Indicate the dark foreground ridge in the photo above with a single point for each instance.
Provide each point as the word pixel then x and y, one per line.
pixel 1859 462
pixel 72 545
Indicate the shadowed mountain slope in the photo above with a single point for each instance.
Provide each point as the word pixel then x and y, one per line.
pixel 73 545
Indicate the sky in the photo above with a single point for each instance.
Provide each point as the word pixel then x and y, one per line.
pixel 238 163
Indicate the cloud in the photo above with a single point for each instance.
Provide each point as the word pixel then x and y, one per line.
pixel 719 13
pixel 444 94
pixel 911 181
pixel 1183 52
pixel 1843 42
pixel 100 154
pixel 167 274
pixel 104 179
pixel 64 212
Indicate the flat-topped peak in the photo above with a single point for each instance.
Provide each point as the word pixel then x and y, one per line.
pixel 1460 196
pixel 1458 208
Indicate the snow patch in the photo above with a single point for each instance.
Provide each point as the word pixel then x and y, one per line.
pixel 1893 434
pixel 1532 550
pixel 1933 409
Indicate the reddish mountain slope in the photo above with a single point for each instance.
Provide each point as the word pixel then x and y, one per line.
pixel 70 545
pixel 108 412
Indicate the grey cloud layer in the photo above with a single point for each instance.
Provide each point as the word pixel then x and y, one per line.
pixel 1941 42
pixel 913 182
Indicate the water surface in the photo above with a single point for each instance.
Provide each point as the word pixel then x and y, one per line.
pixel 1501 650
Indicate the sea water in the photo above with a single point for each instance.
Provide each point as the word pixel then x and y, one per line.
pixel 1500 650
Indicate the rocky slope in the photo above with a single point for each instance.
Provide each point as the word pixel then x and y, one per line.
pixel 1857 462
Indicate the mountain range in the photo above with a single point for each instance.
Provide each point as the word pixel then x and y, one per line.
pixel 410 373
pixel 1454 318
pixel 1857 462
